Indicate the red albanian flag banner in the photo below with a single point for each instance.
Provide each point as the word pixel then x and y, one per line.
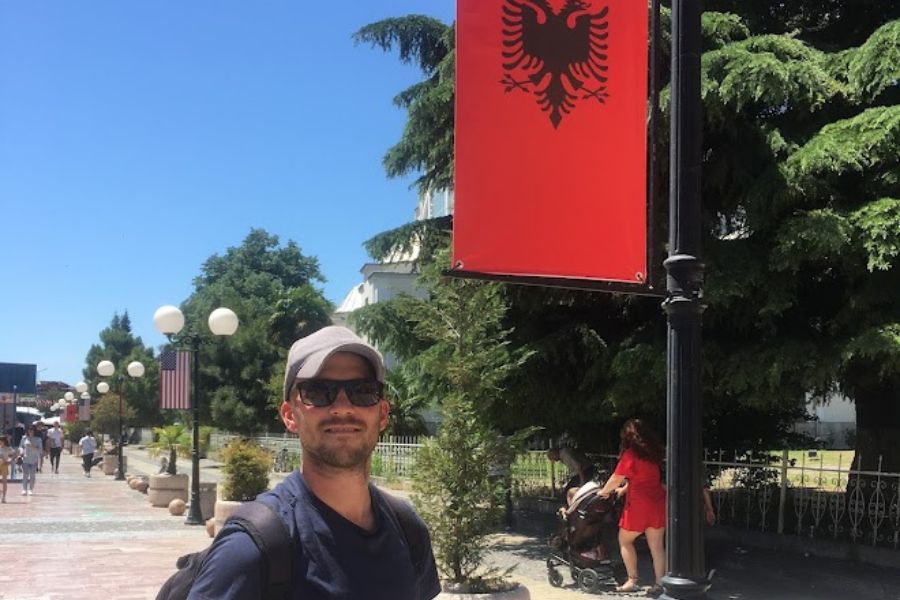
pixel 551 111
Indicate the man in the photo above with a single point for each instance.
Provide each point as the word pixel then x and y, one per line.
pixel 55 442
pixel 578 464
pixel 349 543
pixel 88 447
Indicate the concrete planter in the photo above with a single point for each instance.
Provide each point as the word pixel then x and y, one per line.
pixel 224 509
pixel 208 498
pixel 111 463
pixel 165 488
pixel 519 592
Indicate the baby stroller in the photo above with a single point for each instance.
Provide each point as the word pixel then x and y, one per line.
pixel 587 542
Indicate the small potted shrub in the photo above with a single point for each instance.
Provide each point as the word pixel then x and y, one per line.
pixel 245 466
pixel 165 487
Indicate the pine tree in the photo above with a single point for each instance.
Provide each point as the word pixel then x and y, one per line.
pixel 465 364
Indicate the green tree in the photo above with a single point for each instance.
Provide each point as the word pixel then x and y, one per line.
pixel 105 415
pixel 270 287
pixel 407 400
pixel 802 223
pixel 465 366
pixel 174 439
pixel 426 145
pixel 119 345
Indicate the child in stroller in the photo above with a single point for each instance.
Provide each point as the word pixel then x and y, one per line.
pixel 586 542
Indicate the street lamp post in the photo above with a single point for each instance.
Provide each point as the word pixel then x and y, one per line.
pixel 169 320
pixel 106 369
pixel 686 576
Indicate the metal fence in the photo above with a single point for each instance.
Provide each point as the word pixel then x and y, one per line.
pixel 796 493
pixel 394 457
pixel 807 497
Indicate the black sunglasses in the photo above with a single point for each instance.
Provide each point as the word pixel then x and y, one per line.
pixel 323 392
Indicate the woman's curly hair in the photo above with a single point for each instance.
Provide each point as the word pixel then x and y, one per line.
pixel 638 437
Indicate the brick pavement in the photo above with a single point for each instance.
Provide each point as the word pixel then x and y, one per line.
pixel 83 539
pixel 80 539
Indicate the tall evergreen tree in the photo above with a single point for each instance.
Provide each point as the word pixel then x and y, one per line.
pixel 271 288
pixel 119 345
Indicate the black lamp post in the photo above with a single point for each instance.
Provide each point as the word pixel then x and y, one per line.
pixel 686 576
pixel 169 320
pixel 106 369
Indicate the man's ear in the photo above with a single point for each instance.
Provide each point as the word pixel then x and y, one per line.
pixel 287 415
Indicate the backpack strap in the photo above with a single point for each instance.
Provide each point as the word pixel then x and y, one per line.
pixel 413 533
pixel 270 534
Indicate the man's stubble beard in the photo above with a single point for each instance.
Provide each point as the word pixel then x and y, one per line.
pixel 354 459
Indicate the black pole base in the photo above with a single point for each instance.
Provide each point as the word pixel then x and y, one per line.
pixel 120 467
pixel 682 588
pixel 195 516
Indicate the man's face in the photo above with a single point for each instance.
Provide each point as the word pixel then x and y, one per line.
pixel 340 436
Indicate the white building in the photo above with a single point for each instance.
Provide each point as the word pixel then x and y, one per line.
pixel 395 275
pixel 381 282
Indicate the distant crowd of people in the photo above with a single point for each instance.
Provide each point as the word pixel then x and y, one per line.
pixel 25 449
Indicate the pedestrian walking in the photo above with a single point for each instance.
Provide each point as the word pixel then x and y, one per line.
pixel 55 442
pixel 7 456
pixel 41 431
pixel 31 448
pixel 88 447
pixel 348 540
pixel 16 433
pixel 640 461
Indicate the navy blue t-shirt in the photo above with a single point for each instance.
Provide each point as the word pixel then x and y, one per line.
pixel 336 559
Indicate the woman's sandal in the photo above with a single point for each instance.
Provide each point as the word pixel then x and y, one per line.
pixel 630 585
pixel 655 591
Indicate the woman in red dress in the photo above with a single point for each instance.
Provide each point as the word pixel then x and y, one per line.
pixel 640 459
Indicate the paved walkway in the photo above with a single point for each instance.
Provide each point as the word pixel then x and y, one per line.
pixel 83 539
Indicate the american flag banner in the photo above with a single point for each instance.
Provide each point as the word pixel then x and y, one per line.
pixel 175 380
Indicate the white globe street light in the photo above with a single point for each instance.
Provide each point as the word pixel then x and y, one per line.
pixel 81 387
pixel 135 369
pixel 69 396
pixel 106 368
pixel 223 321
pixel 170 320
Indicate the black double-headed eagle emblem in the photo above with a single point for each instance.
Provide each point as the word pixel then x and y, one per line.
pixel 559 55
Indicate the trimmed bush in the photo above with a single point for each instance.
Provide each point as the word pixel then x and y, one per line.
pixel 246 467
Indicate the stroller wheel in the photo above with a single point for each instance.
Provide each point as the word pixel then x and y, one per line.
pixel 588 580
pixel 555 577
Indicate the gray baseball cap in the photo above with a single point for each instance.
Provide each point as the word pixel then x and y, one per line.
pixel 309 354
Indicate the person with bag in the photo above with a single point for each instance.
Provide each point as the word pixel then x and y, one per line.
pixel 347 538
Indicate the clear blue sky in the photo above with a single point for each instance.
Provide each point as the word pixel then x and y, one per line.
pixel 139 138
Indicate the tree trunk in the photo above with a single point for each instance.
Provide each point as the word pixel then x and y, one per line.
pixel 171 467
pixel 877 422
